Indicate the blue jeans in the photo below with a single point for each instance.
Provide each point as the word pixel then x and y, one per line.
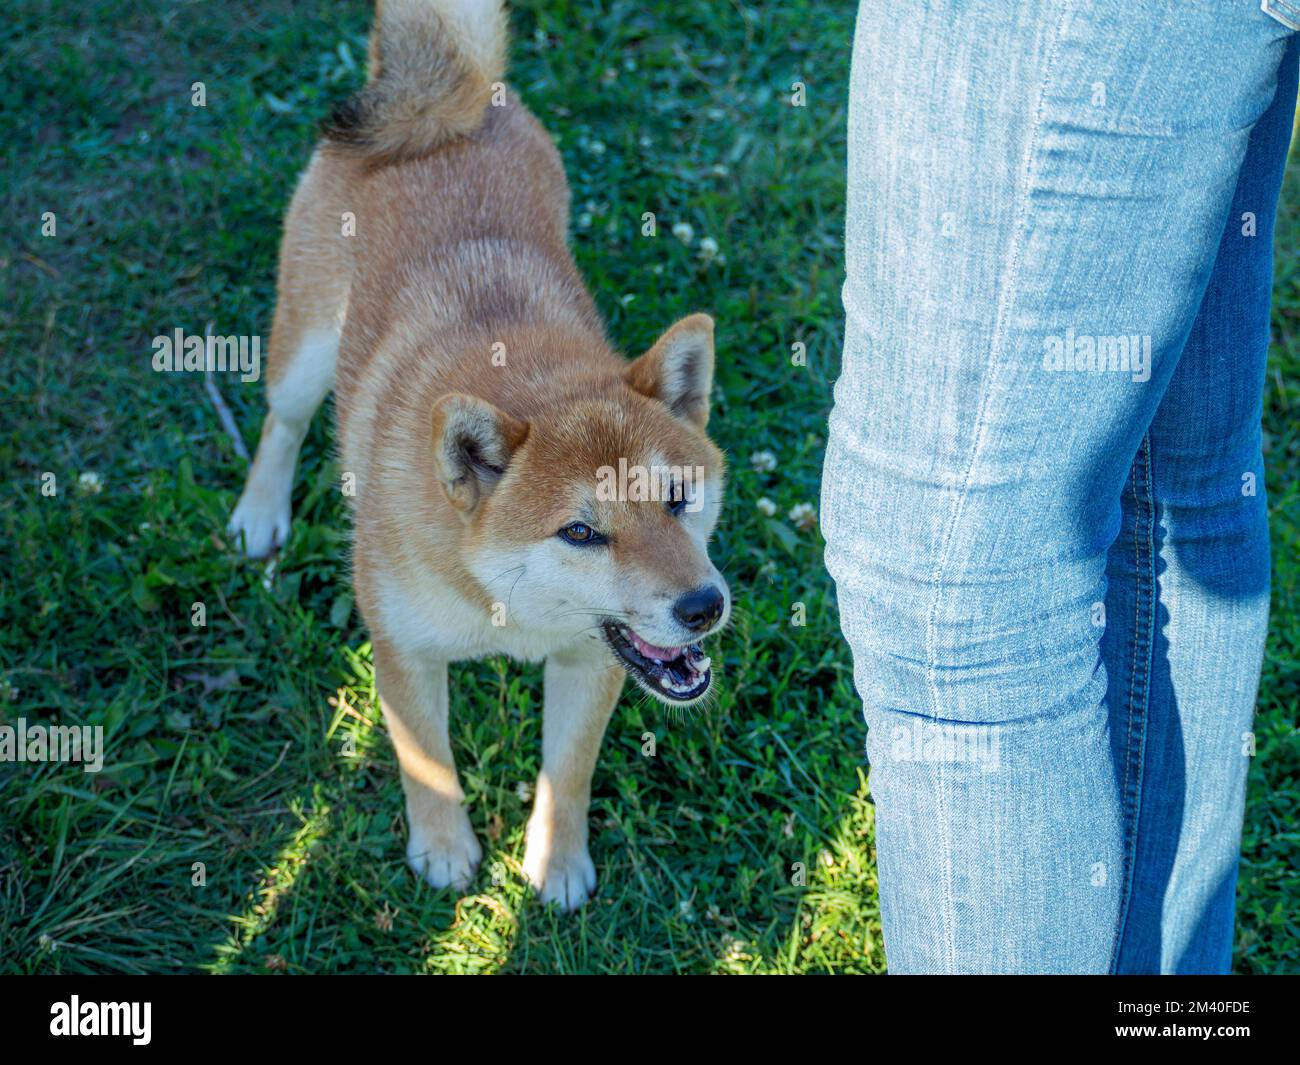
pixel 1044 495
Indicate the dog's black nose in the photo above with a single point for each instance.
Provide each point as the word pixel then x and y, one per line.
pixel 700 609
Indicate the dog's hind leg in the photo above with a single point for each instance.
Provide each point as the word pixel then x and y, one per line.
pixel 311 299
pixel 581 691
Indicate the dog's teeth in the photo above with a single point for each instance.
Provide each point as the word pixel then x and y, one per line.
pixel 702 664
pixel 665 682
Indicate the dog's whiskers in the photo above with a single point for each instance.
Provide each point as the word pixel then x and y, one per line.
pixel 618 614
pixel 511 569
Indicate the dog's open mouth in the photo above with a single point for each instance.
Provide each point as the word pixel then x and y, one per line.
pixel 675 674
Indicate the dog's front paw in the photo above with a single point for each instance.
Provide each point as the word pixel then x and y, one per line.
pixel 564 875
pixel 262 523
pixel 446 854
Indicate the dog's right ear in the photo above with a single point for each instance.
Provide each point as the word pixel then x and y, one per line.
pixel 472 445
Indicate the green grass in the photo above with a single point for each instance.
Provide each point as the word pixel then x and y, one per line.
pixel 254 745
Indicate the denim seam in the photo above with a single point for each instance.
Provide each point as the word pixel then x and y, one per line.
pixel 1139 691
pixel 1138 518
pixel 1005 300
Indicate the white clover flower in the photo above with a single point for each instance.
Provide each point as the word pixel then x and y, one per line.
pixel 766 507
pixel 804 515
pixel 684 232
pixel 763 461
pixel 708 249
pixel 89 484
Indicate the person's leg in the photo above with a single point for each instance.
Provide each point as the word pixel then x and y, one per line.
pixel 1029 186
pixel 1191 568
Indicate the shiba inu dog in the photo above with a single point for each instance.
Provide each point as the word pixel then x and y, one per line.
pixel 425 276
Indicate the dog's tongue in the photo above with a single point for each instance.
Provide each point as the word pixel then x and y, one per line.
pixel 651 651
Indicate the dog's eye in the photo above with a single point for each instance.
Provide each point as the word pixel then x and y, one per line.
pixel 580 533
pixel 676 502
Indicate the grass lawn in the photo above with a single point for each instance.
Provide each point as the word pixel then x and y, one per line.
pixel 254 745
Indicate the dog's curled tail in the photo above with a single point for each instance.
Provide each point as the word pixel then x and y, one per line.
pixel 433 65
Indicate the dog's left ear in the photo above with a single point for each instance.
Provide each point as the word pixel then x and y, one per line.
pixel 678 370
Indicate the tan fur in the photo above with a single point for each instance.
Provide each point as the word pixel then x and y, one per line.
pixel 433 65
pixel 476 398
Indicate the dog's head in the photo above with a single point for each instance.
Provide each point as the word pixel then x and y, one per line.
pixel 593 519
